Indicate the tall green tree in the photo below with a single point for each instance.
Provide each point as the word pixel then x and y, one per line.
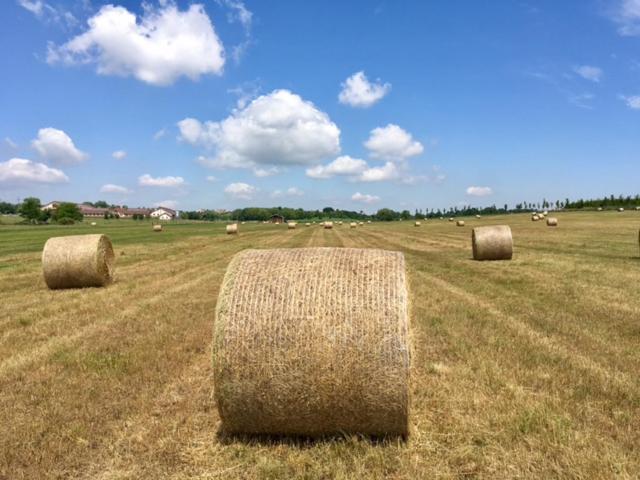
pixel 68 211
pixel 30 210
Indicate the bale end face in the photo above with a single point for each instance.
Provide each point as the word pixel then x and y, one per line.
pixel 492 243
pixel 552 222
pixel 78 261
pixel 460 223
pixel 232 229
pixel 328 225
pixel 303 359
pixel 291 225
pixel 157 228
pixel 417 224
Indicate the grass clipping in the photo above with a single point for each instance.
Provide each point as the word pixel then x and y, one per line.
pixel 78 261
pixel 302 351
pixel 492 243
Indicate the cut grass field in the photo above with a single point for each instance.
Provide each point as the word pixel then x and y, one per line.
pixel 521 369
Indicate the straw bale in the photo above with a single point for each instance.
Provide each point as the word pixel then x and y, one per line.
pixel 451 219
pixel 232 228
pixel 93 224
pixel 157 228
pixel 291 225
pixel 621 209
pixel 492 243
pixel 460 223
pixel 535 218
pixel 417 224
pixel 552 222
pixel 313 352
pixel 353 225
pixel 78 261
pixel 328 225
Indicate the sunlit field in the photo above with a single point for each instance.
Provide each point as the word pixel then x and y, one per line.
pixel 523 368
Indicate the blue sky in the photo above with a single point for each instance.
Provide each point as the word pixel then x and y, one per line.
pixel 359 105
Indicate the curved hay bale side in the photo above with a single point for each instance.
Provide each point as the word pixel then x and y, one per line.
pixel 417 224
pixel 78 261
pixel 451 219
pixel 328 225
pixel 552 222
pixel 535 218
pixel 232 229
pixel 353 225
pixel 302 351
pixel 492 243
pixel 460 223
pixel 291 225
pixel 157 228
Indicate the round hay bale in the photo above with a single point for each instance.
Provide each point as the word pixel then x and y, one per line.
pixel 291 225
pixel 451 219
pixel 477 216
pixel 417 224
pixel 460 223
pixel 361 223
pixel 545 213
pixel 293 357
pixel 232 228
pixel 353 225
pixel 368 221
pixel 93 224
pixel 340 223
pixel 307 224
pixel 492 243
pixel 621 209
pixel 535 218
pixel 599 209
pixel 78 261
pixel 328 225
pixel 552 222
pixel 157 228
pixel 637 208
pixel 243 223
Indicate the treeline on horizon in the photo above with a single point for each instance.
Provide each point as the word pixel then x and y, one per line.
pixel 31 205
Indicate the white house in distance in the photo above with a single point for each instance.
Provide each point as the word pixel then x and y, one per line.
pixel 163 213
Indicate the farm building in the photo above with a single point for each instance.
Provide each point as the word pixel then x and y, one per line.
pixel 50 206
pixel 163 213
pixel 130 212
pixel 89 211
pixel 276 219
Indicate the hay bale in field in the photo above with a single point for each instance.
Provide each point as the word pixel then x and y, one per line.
pixel 232 228
pixel 621 209
pixel 93 224
pixel 460 223
pixel 78 261
pixel 535 218
pixel 599 209
pixel 307 224
pixel 308 351
pixel 368 221
pixel 451 219
pixel 340 223
pixel 637 208
pixel 291 225
pixel 157 228
pixel 492 243
pixel 361 223
pixel 417 224
pixel 477 216
pixel 552 222
pixel 328 225
pixel 353 225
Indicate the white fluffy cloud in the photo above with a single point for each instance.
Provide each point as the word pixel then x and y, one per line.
pixel 275 129
pixel 344 165
pixel 55 145
pixel 265 172
pixel 479 191
pixel 111 188
pixel 364 198
pixel 34 6
pixel 119 154
pixel 147 180
pixel 633 102
pixel 358 91
pixel 626 14
pixel 389 171
pixel 17 171
pixel 289 192
pixel 392 143
pixel 589 72
pixel 240 190
pixel 161 46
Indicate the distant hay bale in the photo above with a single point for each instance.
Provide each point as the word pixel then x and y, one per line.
pixel 599 209
pixel 535 218
pixel 417 224
pixel 307 224
pixel 460 223
pixel 637 208
pixel 313 352
pixel 451 219
pixel 361 223
pixel 232 228
pixel 477 216
pixel 157 228
pixel 78 261
pixel 340 223
pixel 353 225
pixel 291 225
pixel 93 224
pixel 621 209
pixel 552 222
pixel 243 223
pixel 492 243
pixel 328 225
pixel 368 221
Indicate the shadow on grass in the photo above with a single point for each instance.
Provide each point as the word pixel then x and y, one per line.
pixel 304 442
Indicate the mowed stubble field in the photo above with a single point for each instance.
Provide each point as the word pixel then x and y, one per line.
pixel 521 369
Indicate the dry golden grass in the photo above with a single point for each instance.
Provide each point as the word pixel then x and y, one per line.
pixel 116 382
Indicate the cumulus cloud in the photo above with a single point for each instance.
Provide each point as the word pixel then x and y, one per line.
pixel 17 171
pixel 34 6
pixel 626 13
pixel 119 154
pixel 111 188
pixel 48 13
pixel 265 172
pixel 289 192
pixel 389 171
pixel 161 46
pixel 392 143
pixel 275 129
pixel 589 72
pixel 364 198
pixel 159 134
pixel 55 145
pixel 147 180
pixel 479 191
pixel 240 190
pixel 239 13
pixel 344 165
pixel 633 101
pixel 358 91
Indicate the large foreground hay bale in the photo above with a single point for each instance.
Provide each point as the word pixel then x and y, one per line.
pixel 460 223
pixel 328 225
pixel 308 351
pixel 78 261
pixel 552 222
pixel 233 228
pixel 492 243
pixel 157 228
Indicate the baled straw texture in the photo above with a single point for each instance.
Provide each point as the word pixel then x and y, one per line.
pixel 417 224
pixel 535 218
pixel 291 225
pixel 78 261
pixel 303 351
pixel 460 223
pixel 233 228
pixel 492 243
pixel 157 228
pixel 353 225
pixel 328 225
pixel 451 219
pixel 552 222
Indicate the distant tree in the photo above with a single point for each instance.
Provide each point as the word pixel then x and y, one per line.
pixel 101 204
pixel 386 215
pixel 67 210
pixel 30 210
pixel 405 215
pixel 8 208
